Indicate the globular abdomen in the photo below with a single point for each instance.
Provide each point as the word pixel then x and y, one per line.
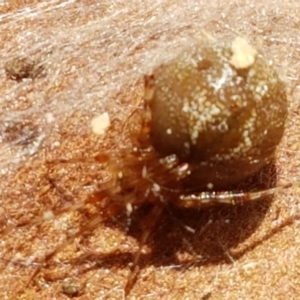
pixel 219 106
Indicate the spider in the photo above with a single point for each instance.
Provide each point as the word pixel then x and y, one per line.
pixel 212 117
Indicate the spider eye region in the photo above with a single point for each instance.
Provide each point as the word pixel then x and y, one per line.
pixel 219 106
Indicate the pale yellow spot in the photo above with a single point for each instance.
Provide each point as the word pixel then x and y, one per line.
pixel 100 124
pixel 243 54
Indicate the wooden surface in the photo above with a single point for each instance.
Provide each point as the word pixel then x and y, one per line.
pixel 94 58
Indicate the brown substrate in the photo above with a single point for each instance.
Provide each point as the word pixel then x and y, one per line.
pixel 243 252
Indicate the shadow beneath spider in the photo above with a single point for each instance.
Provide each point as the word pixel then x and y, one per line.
pixel 185 237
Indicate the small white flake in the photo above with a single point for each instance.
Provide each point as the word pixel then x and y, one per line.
pixel 100 124
pixel 210 186
pixel 48 215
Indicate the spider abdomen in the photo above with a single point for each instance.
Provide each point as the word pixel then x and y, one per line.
pixel 221 107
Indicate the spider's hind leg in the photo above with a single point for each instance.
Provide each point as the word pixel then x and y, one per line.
pixel 148 226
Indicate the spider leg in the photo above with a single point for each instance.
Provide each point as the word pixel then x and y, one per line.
pixel 148 229
pixel 226 197
pixel 93 223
